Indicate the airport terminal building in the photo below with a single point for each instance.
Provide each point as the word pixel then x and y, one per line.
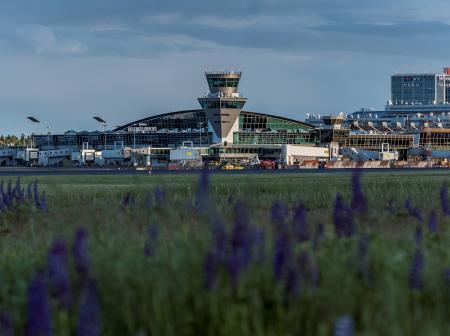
pixel 415 125
pixel 219 126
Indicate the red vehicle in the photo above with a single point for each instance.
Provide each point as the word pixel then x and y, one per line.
pixel 267 164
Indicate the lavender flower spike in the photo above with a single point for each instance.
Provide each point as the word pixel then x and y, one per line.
pixel 37 202
pixel 58 273
pixel 282 255
pixel 159 195
pixel 278 215
pixel 444 200
pixel 343 219
pixel 89 315
pixel 344 326
pixel 301 227
pixel 241 243
pixel 202 196
pixel 38 309
pixel 418 234
pixel 43 203
pixel 433 222
pixel 152 240
pixel 359 201
pixel 416 271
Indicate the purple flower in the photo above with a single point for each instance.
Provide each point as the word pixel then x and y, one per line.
pixel 30 191
pixel 220 239
pixel 444 200
pixel 343 326
pixel 433 222
pixel 301 227
pixel 416 271
pixel 413 211
pixel 418 234
pixel 89 315
pixel 259 242
pixel 37 202
pixel 282 254
pixel 20 197
pixel 6 325
pixel 58 273
pixel 202 196
pixel 151 241
pixel 279 213
pixel 359 201
pixel 43 203
pixel 9 188
pixel 160 195
pixel 343 218
pixel 38 321
pixel 81 254
pixel 241 241
pixel 210 268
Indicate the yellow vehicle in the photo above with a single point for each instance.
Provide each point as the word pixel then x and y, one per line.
pixel 232 167
pixel 228 167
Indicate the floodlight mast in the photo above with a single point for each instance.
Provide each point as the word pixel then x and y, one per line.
pixel 103 122
pixel 34 121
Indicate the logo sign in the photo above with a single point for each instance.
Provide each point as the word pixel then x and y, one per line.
pixel 141 129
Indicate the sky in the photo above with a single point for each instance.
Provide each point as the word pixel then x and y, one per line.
pixel 65 62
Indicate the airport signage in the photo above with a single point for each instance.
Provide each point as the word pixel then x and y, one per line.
pixel 141 129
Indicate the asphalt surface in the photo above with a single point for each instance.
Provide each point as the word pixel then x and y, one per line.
pixel 91 171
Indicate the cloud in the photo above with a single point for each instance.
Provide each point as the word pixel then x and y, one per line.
pixel 128 59
pixel 44 41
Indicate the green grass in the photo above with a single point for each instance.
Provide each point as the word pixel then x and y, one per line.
pixel 164 294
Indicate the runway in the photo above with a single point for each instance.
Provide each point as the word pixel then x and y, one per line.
pixel 90 171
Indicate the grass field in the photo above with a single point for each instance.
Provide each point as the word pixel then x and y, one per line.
pixel 246 255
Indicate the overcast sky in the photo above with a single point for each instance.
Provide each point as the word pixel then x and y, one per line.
pixel 64 62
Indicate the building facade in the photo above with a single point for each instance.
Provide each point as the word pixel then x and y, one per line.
pixel 219 121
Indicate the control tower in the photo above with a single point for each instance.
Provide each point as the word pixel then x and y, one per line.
pixel 223 104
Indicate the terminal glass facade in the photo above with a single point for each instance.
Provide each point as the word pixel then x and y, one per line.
pixel 172 129
pixel 273 138
pixel 256 121
pixel 435 138
pixel 418 89
pixel 375 141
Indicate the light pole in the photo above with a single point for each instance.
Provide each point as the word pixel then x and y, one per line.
pixel 34 121
pixel 103 122
pixel 200 124
pixel 48 137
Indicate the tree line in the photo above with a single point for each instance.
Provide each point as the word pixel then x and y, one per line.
pixel 14 140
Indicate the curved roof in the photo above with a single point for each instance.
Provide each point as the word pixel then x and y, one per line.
pixel 200 110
